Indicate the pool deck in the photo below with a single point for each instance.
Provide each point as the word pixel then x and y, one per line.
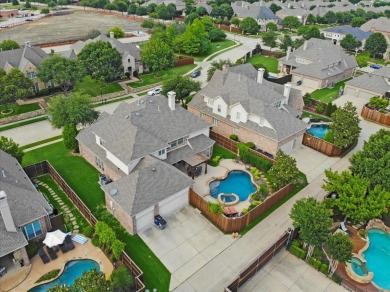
pixel 38 268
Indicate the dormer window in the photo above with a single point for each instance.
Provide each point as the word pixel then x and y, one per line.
pixel 219 108
pixel 161 152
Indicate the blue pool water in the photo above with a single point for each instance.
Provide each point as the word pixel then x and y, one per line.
pixel 358 268
pixel 378 257
pixel 237 182
pixel 72 270
pixel 318 131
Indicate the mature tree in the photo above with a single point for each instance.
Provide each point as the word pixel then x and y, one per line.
pixel 104 233
pixel 378 103
pixel 311 19
pixel 217 65
pixel 345 125
pixel 61 71
pixel 101 61
pixel 354 198
pixel 151 8
pixel 235 21
pixel 314 221
pixel 121 6
pixel 269 39
pixel 376 44
pixel 27 4
pixel 275 8
pixel 372 162
pixel 298 42
pixel 270 26
pixel 75 109
pixel 181 85
pixel 15 85
pixel 132 8
pixel 141 11
pixel 163 12
pixel 330 17
pixel 117 248
pixel 45 11
pixel 349 42
pixel 69 134
pixel 91 281
pixel 147 23
pixel 7 45
pixel 291 22
pixel 195 39
pixel 93 33
pixel 9 146
pixel 286 42
pixel 309 31
pixel 216 34
pixel 118 32
pixel 249 25
pixel 358 21
pixel 157 55
pixel 217 12
pixel 121 279
pixel 201 11
pixel 339 250
pixel 191 17
pixel 284 171
pixel 15 2
pixel 229 12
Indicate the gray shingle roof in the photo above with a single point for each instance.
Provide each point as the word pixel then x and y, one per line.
pixel 374 81
pixel 245 9
pixel 347 29
pixel 256 98
pixel 328 59
pixel 25 202
pixel 381 23
pixel 151 181
pixel 18 58
pixel 140 128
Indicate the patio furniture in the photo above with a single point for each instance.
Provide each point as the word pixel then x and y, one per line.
pixel 51 252
pixel 3 271
pixel 230 211
pixel 79 239
pixel 45 259
pixel 63 248
pixel 69 243
pixel 54 238
pixel 344 228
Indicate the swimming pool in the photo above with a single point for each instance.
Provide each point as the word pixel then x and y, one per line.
pixel 237 182
pixel 318 131
pixel 378 257
pixel 72 271
pixel 358 267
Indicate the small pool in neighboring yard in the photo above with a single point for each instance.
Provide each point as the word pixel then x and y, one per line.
pixel 237 182
pixel 318 131
pixel 72 271
pixel 377 256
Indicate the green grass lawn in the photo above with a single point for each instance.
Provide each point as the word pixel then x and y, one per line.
pixel 96 88
pixel 83 178
pixel 159 76
pixel 10 6
pixel 222 153
pixel 18 109
pixel 215 47
pixel 328 94
pixel 364 57
pixel 311 115
pixel 270 63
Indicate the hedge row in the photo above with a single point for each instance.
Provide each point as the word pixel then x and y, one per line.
pixel 260 163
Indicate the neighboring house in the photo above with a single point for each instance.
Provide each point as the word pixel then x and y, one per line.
pixel 257 10
pixel 381 25
pixel 131 59
pixel 300 13
pixel 238 100
pixel 337 33
pixel 205 5
pixel 317 64
pixel 141 147
pixel 27 59
pixel 368 85
pixel 8 13
pixel 180 5
pixel 24 213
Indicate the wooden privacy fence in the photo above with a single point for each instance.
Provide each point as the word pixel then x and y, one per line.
pixel 44 167
pixel 183 60
pixel 231 145
pixel 228 28
pixel 321 145
pixel 235 224
pixel 257 264
pixel 375 116
pixel 272 54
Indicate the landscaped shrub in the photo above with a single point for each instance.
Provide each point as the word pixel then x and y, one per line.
pixel 296 243
pixel 234 137
pixel 89 231
pixel 307 99
pixel 242 149
pixel 255 172
pixel 215 160
pixel 336 279
pixel 250 145
pixel 362 233
pixel 261 163
pixel 297 251
pixel 117 248
pixel 95 241
pixel 329 137
pixel 378 103
pixel 244 211
pixel 263 190
pixel 122 280
pixel 48 276
pixel 215 208
pixel 253 205
pixel 324 269
pixel 32 249
pixel 320 108
pixel 330 109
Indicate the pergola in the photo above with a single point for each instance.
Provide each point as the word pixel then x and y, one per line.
pixel 196 160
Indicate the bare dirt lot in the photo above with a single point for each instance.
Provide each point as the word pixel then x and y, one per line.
pixel 65 27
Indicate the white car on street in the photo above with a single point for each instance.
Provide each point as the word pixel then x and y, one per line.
pixel 154 91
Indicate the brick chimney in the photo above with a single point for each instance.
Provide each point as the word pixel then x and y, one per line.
pixel 172 100
pixel 6 213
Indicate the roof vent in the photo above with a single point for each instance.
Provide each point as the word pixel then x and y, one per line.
pixel 113 192
pixel 153 169
pixel 3 173
pixel 142 101
pixel 138 114
pixel 151 100
pixel 126 117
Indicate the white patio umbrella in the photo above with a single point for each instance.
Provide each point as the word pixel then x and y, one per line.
pixel 54 238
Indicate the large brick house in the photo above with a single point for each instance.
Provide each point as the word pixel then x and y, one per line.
pixel 24 211
pixel 317 64
pixel 381 25
pixel 143 148
pixel 238 100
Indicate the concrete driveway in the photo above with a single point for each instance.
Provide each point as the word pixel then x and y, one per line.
pixel 188 243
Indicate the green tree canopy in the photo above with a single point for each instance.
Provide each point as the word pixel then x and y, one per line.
pixel 270 26
pixel 358 21
pixel 216 34
pixel 345 125
pixel 69 134
pixel 269 39
pixel 275 8
pixel 376 44
pixel 61 71
pixel 181 85
pixel 355 198
pixel 7 45
pixel 309 31
pixel 9 146
pixel 121 279
pixel 195 39
pixel 191 17
pixel 249 25
pixel 118 32
pixel 74 109
pixel 14 85
pixel 372 162
pixel 283 171
pixel 291 22
pixel 311 19
pixel 101 61
pixel 349 42
pixel 201 11
pixel 217 65
pixel 157 55
pixel 339 250
pixel 285 43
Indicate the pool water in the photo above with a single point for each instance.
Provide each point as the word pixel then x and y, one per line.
pixel 237 182
pixel 318 131
pixel 378 257
pixel 72 271
pixel 357 267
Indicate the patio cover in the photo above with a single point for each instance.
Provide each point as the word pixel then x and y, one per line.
pixel 196 159
pixel 54 238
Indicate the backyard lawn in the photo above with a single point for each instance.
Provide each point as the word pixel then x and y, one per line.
pixel 96 88
pixel 222 153
pixel 328 94
pixel 270 63
pixel 18 109
pixel 364 57
pixel 159 76
pixel 215 47
pixel 311 115
pixel 83 178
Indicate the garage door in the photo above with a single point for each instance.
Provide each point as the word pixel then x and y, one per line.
pixel 349 91
pixel 365 95
pixel 174 203
pixel 144 219
pixel 310 83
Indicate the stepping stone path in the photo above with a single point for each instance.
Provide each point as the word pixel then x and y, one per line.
pixel 64 207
